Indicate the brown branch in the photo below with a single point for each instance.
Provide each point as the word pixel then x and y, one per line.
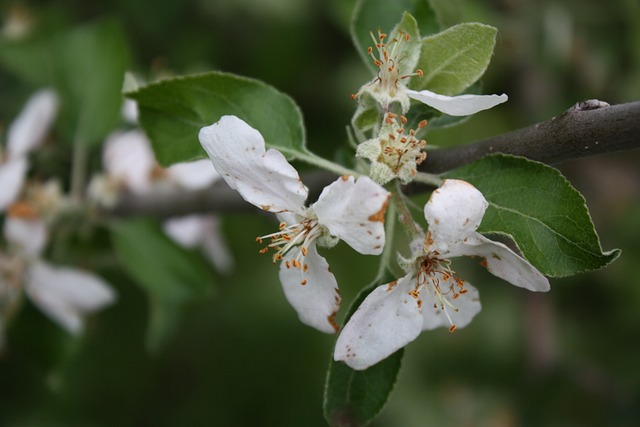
pixel 218 198
pixel 588 128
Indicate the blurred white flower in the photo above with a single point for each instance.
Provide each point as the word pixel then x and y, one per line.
pixel 25 134
pixel 64 294
pixel 130 164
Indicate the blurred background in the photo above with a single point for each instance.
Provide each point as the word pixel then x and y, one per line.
pixel 237 355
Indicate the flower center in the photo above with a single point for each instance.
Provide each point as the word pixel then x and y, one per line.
pixel 398 147
pixel 300 235
pixel 388 61
pixel 442 283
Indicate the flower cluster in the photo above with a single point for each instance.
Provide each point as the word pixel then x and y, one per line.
pixel 65 294
pixel 130 166
pixel 430 294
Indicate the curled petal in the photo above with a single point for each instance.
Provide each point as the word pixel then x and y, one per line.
pixel 193 175
pixel 460 311
pixel 29 129
pixel 29 235
pixel 312 293
pixel 128 158
pixel 264 179
pixel 462 105
pixel 454 212
pixel 505 264
pixel 353 210
pixel 387 320
pixel 66 294
pixel 12 176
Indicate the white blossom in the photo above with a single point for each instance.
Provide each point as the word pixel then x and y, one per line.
pixel 394 153
pixel 396 60
pixel 348 209
pixel 64 294
pixel 25 134
pixel 431 295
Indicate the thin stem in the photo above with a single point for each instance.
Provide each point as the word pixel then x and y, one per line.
pixel 78 170
pixel 428 178
pixel 328 165
pixel 404 215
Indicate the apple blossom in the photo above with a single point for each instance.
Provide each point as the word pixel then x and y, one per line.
pixel 348 209
pixel 394 153
pixel 64 294
pixel 395 61
pixel 25 133
pixel 431 295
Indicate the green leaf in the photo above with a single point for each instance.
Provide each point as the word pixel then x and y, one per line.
pixel 161 267
pixel 455 59
pixel 173 111
pixel 89 65
pixel 371 15
pixel 539 209
pixel 354 398
pixel 408 51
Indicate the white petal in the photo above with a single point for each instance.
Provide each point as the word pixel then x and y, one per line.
pixel 201 230
pixel 317 300
pixel 354 211
pixel 66 294
pixel 387 320
pixel 462 105
pixel 506 264
pixel 264 179
pixel 29 129
pixel 193 175
pixel 128 157
pixel 454 212
pixel 12 176
pixel 29 235
pixel 185 230
pixel 215 246
pixel 130 110
pixel 467 306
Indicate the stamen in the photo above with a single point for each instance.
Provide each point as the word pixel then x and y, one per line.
pixel 432 272
pixel 388 61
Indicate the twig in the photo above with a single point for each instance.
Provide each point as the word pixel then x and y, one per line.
pixel 588 128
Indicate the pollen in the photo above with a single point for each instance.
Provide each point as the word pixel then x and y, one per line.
pixel 442 284
pixel 22 210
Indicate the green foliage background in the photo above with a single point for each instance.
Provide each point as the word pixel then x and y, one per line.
pixel 239 356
